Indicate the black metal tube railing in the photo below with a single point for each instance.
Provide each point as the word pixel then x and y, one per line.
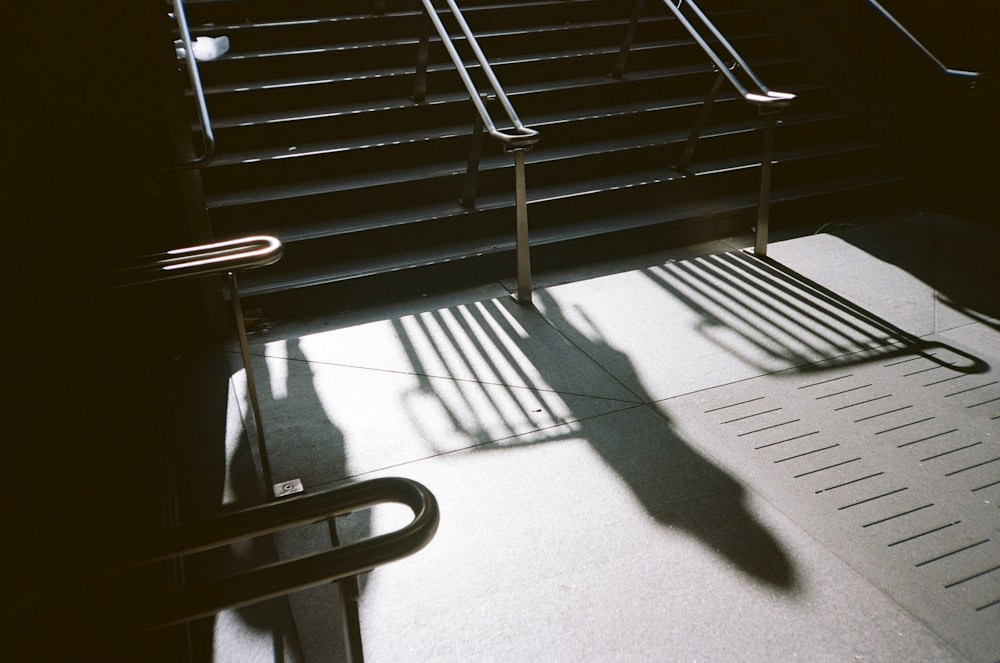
pixel 515 141
pixel 193 261
pixel 732 67
pixel 119 593
pixel 287 576
pixel 198 93
pixel 958 73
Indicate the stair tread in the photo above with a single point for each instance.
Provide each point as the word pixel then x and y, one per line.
pixel 481 36
pixel 538 122
pixel 448 208
pixel 423 172
pixel 255 284
pixel 469 10
pixel 514 92
pixel 312 79
pixel 293 162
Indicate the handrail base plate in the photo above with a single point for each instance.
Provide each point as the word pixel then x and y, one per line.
pixel 286 488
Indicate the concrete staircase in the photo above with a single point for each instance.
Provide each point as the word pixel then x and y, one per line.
pixel 320 143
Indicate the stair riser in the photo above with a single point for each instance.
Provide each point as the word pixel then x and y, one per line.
pixel 406 115
pixel 399 84
pixel 248 11
pixel 380 191
pixel 359 28
pixel 500 263
pixel 339 209
pixel 237 12
pixel 332 57
pixel 450 154
pixel 397 47
pixel 345 263
pixel 698 195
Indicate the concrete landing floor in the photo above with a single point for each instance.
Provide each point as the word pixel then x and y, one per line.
pixel 703 456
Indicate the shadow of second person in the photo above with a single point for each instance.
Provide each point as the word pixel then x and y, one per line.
pixel 681 489
pixel 677 485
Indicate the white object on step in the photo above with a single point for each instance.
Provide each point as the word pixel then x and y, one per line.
pixel 205 48
pixel 209 48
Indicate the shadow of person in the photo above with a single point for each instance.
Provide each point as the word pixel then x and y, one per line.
pixel 682 489
pixel 955 257
pixel 217 472
pixel 298 433
pixel 676 485
pixel 670 478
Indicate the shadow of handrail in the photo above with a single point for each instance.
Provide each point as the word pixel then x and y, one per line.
pixel 792 318
pixel 501 374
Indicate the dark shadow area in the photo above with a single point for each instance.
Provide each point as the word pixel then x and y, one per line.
pixel 90 379
pixel 225 480
pixel 935 127
pixel 789 319
pixel 301 435
pixel 123 491
pixel 955 257
pixel 95 449
pixel 676 485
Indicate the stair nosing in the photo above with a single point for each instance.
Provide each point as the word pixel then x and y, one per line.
pixel 392 72
pixel 450 169
pixel 500 244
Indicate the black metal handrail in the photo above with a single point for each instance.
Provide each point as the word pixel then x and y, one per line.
pixel 287 576
pixel 728 62
pixel 341 564
pixel 193 261
pixel 957 73
pixel 515 141
pixel 194 76
pixel 121 596
pixel 732 67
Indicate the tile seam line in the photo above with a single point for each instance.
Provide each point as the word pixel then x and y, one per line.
pixel 450 452
pixel 452 378
pixel 593 360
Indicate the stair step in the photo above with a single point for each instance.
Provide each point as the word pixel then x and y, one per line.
pixel 574 200
pixel 257 284
pixel 249 60
pixel 536 70
pixel 275 133
pixel 346 171
pixel 235 12
pixel 320 143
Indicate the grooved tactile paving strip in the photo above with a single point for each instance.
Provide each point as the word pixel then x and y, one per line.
pixel 893 464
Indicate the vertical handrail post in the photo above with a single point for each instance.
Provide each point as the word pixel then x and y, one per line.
pixel 523 247
pixel 349 590
pixel 764 204
pixel 471 183
pixel 423 54
pixel 241 333
pixel 626 48
pixel 516 140
pixel 699 124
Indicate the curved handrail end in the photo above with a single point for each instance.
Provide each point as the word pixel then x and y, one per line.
pixel 770 98
pixel 522 138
